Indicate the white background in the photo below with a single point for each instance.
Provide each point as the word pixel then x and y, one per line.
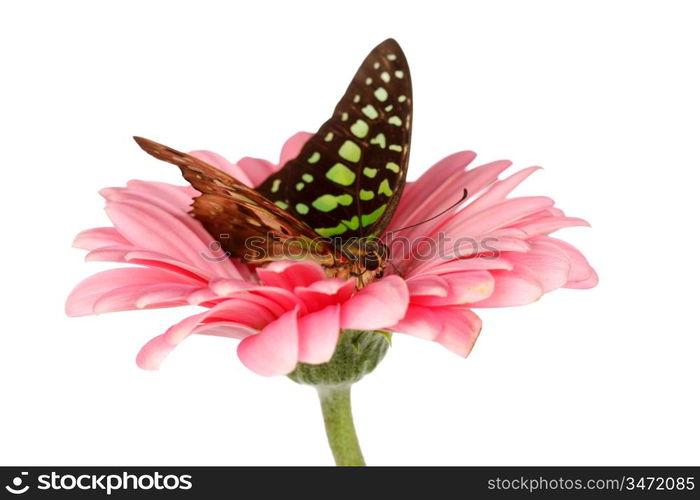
pixel 604 95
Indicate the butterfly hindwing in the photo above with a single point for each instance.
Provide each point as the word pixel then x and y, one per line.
pixel 243 221
pixel 349 176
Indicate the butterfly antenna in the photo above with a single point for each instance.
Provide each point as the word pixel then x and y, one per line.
pixel 464 197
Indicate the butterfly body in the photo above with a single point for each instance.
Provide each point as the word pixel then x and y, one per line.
pixel 333 201
pixel 363 260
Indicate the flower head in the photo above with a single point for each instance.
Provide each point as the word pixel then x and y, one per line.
pixel 489 251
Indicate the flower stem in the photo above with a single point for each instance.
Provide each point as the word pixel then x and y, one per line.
pixel 340 429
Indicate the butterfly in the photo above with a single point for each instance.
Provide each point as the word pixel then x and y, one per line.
pixel 333 201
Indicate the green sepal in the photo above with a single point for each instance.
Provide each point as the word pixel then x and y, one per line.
pixel 358 353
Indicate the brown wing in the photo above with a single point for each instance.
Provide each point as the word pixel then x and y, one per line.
pixel 244 222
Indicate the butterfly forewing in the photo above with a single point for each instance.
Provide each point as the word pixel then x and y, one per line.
pixel 347 180
pixel 245 223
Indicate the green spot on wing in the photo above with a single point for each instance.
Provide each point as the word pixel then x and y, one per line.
pixel 395 147
pixel 366 195
pixel 353 223
pixel 275 185
pixel 340 174
pixel 302 208
pixel 307 177
pixel 314 157
pixel 394 120
pixel 282 205
pixel 371 218
pixel 370 112
pixel 325 203
pixel 360 129
pixel 381 94
pixel 344 199
pixel 299 186
pixel 393 167
pixel 350 151
pixel 384 188
pixel 327 232
pixel 369 172
pixel 328 202
pixel 379 140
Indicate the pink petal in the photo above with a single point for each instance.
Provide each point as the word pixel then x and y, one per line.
pixel 550 224
pixel 512 288
pixel 236 318
pixel 455 328
pixel 581 274
pixel 155 259
pixel 589 282
pixel 419 321
pixel 460 329
pixel 498 191
pixel 246 312
pixel 169 197
pixel 164 208
pixel 84 297
pixel 279 300
pixel 99 237
pixel 202 296
pixel 376 306
pixel 150 259
pixel 292 147
pixel 471 253
pixel 157 296
pixel 322 294
pixel 414 198
pixel 289 274
pixel 463 288
pixel 108 254
pixel 151 228
pixel 225 329
pixel 318 335
pixel 154 352
pixel 427 285
pixel 256 169
pixel 273 351
pixel 218 161
pixel 474 180
pixel 142 296
pixel 450 265
pixel 157 349
pixel 550 265
pixel 496 216
pixel 226 287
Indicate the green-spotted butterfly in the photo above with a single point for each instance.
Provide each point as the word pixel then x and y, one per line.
pixel 331 203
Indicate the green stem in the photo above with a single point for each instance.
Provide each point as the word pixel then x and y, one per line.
pixel 340 429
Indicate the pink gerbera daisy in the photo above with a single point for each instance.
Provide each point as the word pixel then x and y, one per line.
pixel 498 253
